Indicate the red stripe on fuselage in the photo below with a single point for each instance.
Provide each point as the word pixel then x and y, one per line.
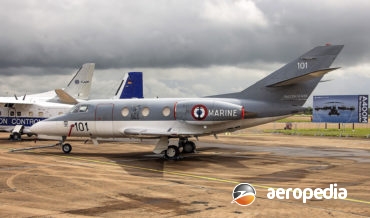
pixel 70 130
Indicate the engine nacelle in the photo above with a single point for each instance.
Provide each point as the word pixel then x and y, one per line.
pixel 207 111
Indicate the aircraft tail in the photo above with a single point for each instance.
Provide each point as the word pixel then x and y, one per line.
pixel 80 85
pixel 293 83
pixel 131 86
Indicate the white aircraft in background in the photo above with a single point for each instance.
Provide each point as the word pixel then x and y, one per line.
pixel 17 114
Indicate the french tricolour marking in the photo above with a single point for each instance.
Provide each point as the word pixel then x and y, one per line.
pixel 199 112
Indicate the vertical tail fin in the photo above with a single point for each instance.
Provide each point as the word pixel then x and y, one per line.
pixel 131 86
pixel 293 83
pixel 80 85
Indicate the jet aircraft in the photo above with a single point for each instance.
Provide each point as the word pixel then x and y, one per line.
pixel 274 97
pixel 334 108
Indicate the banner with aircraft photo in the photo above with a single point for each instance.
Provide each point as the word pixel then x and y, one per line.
pixel 340 108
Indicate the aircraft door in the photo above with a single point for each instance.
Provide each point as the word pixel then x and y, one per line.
pixel 181 110
pixel 104 119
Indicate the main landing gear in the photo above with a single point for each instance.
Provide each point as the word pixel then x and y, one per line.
pixel 172 152
pixel 187 146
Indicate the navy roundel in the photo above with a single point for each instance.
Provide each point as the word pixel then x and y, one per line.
pixel 199 112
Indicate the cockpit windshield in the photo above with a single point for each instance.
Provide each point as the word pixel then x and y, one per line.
pixel 79 109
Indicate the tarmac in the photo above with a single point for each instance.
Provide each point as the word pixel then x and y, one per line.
pixel 125 179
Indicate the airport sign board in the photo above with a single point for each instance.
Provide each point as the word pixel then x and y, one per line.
pixel 340 108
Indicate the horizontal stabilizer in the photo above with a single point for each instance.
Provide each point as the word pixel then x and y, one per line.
pixel 64 97
pixel 302 78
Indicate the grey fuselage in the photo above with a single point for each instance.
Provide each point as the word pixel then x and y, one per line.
pixel 157 117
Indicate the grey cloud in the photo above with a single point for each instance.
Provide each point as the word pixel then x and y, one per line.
pixel 56 37
pixel 118 34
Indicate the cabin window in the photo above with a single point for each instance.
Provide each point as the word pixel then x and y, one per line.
pixel 125 111
pixel 19 113
pixel 79 109
pixel 145 112
pixel 41 114
pixel 166 111
pixel 30 114
pixel 12 113
pixel 82 109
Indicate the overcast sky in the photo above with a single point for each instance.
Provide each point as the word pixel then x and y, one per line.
pixel 184 48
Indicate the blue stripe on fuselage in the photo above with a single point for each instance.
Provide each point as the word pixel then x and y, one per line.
pixel 25 121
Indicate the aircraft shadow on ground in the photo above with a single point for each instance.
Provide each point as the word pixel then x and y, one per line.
pixel 147 164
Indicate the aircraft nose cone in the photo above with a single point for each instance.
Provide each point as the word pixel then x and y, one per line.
pixel 37 127
pixel 42 127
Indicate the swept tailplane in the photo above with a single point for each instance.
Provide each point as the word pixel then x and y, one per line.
pixel 293 83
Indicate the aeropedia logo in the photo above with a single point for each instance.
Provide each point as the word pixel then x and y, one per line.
pixel 244 194
pixel 333 192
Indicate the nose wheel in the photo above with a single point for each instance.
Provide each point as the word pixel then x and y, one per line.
pixel 66 148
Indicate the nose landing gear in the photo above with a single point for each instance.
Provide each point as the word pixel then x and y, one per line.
pixel 66 148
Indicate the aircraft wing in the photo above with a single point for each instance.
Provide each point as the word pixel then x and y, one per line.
pixel 144 132
pixel 323 108
pixel 10 100
pixel 352 108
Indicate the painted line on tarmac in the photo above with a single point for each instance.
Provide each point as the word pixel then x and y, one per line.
pixel 184 174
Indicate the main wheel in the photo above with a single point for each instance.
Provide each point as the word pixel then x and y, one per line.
pixel 172 152
pixel 16 136
pixel 66 148
pixel 189 147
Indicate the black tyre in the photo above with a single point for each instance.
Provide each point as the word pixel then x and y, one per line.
pixel 66 148
pixel 189 147
pixel 16 136
pixel 172 152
